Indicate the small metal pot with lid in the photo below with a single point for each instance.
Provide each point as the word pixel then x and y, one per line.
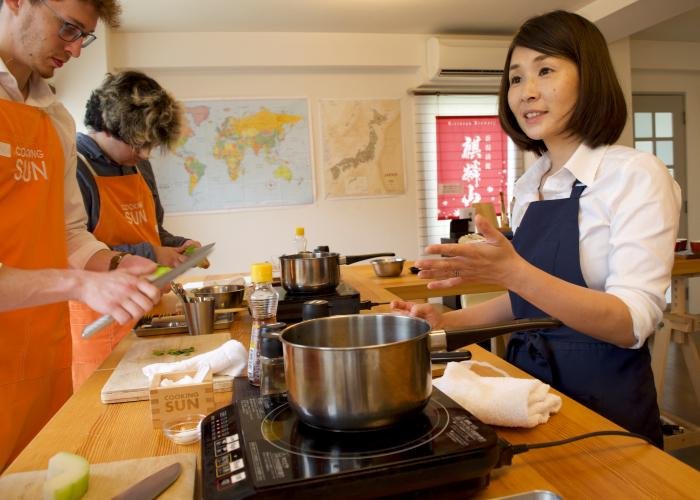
pixel 317 271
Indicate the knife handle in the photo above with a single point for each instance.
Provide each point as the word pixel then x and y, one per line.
pixel 96 326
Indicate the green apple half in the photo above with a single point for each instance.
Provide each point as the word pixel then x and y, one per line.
pixel 67 477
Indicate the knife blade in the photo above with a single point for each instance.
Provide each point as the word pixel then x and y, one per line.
pixel 153 485
pixel 446 357
pixel 159 282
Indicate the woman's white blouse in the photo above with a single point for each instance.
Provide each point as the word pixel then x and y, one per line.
pixel 628 222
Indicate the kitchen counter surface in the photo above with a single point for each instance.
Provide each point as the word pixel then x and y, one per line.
pixel 607 467
pixel 410 287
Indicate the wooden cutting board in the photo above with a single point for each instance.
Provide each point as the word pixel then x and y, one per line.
pixel 128 383
pixel 109 478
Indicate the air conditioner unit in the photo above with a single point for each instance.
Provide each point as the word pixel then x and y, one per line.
pixel 465 64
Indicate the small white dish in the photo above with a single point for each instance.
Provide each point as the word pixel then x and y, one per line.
pixel 185 429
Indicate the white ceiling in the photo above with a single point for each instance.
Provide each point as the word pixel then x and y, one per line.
pixel 494 17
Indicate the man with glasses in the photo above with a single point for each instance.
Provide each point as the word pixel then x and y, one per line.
pixel 43 222
pixel 127 116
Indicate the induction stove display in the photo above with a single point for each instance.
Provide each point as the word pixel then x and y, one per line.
pixel 342 300
pixel 257 447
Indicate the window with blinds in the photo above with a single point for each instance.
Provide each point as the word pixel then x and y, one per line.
pixel 427 110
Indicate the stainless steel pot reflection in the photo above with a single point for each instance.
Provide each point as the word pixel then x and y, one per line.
pixel 369 371
pixel 310 272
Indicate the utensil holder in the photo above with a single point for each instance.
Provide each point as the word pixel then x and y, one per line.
pixel 199 314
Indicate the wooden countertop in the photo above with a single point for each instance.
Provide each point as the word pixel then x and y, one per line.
pixel 607 467
pixel 410 287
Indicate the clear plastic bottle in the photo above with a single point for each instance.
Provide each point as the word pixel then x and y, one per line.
pixel 263 310
pixel 299 240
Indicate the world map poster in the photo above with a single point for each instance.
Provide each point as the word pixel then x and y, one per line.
pixel 238 153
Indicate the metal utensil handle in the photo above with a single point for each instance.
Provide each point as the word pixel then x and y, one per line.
pixel 459 338
pixel 351 259
pixel 96 326
pixel 159 282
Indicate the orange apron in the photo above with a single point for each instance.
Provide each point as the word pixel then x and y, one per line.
pixel 35 346
pixel 127 216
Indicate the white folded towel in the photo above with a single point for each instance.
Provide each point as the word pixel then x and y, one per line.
pixel 505 401
pixel 229 358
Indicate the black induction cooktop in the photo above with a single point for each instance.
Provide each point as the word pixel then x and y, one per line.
pixel 257 447
pixel 342 300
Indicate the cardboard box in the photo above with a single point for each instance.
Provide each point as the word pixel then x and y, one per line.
pixel 178 400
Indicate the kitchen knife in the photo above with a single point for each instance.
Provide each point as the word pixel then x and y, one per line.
pixel 446 357
pixel 153 485
pixel 159 282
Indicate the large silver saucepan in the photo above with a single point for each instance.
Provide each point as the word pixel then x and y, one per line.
pixel 367 371
pixel 311 272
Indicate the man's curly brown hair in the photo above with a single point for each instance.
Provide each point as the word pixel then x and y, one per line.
pixel 135 109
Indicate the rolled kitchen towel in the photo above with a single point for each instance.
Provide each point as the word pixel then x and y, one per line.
pixel 229 358
pixel 505 401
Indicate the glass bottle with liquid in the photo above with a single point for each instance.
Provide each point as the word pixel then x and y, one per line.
pixel 272 380
pixel 262 304
pixel 299 240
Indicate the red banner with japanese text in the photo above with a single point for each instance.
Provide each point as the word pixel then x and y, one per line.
pixel 472 163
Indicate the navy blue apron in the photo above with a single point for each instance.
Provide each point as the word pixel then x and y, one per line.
pixel 615 382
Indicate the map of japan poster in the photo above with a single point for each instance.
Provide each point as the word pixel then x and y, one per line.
pixel 238 153
pixel 362 147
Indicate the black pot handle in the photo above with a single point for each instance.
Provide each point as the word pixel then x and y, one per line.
pixel 449 340
pixel 349 259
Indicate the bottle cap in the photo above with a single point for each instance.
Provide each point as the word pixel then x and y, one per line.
pixel 261 272
pixel 299 231
pixel 318 308
pixel 273 327
pixel 270 343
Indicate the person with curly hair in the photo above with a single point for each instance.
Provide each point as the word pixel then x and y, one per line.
pixel 47 255
pixel 128 116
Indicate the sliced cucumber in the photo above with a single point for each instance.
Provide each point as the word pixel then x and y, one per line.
pixel 67 477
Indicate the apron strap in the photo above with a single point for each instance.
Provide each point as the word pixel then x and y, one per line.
pixel 577 188
pixel 87 163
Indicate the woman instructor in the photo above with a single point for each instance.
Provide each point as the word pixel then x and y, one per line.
pixel 595 225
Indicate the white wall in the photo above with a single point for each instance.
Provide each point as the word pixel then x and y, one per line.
pixel 621 59
pixel 332 65
pixel 667 67
pixel 75 82
pixel 312 65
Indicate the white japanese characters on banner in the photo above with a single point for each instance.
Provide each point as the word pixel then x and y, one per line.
pixel 472 163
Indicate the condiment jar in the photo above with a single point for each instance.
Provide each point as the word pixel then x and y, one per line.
pixel 272 380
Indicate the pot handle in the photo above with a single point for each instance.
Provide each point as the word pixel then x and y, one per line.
pixel 449 340
pixel 349 259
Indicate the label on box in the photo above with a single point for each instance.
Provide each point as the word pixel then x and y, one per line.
pixel 177 400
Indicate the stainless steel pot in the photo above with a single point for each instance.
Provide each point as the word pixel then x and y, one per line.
pixel 310 272
pixel 367 371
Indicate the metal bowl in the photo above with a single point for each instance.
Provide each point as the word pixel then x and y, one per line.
pixel 386 267
pixel 225 296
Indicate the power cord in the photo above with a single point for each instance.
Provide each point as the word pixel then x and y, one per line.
pixel 509 450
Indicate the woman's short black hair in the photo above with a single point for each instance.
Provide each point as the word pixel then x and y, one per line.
pixel 135 109
pixel 601 112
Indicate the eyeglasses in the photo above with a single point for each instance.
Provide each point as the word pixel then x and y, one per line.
pixel 69 32
pixel 143 152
